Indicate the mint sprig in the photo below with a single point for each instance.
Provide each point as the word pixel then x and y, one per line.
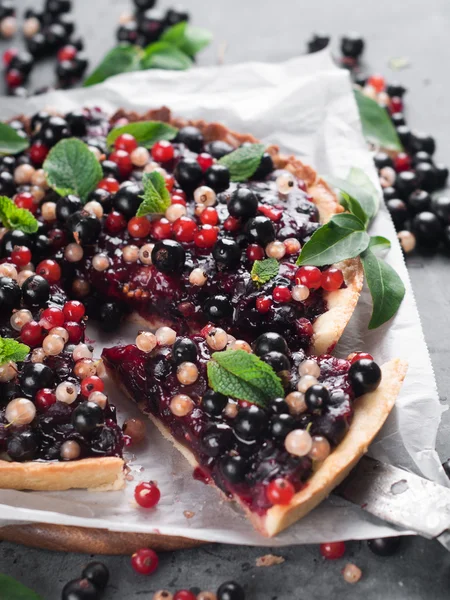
pixel 156 198
pixel 10 141
pixel 13 217
pixel 187 38
pixel 243 376
pixel 146 133
pixel 162 55
pixel 71 168
pixel 376 125
pixel 11 350
pixel 122 59
pixel 243 162
pixel 11 589
pixel 264 270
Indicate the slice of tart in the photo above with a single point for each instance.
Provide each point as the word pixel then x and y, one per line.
pixel 273 429
pixel 57 428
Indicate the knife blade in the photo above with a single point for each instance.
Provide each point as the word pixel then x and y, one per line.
pixel 400 497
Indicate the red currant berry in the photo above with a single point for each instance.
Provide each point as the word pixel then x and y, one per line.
pixel 109 184
pixel 115 222
pixel 162 151
pixel 147 495
pixel 66 53
pixel 14 78
pixel 206 237
pixel 254 252
pixel 50 270
pixel 263 304
pixel 123 161
pixel 32 334
pixel 52 317
pixel 332 279
pixel 73 311
pixel 8 55
pixel 272 213
pixel 21 255
pixel 162 229
pixel 44 399
pixel 25 200
pixel 280 491
pixel 205 160
pixel 304 327
pixel 75 331
pixel 281 293
pixel 91 384
pixel 402 162
pixel 396 105
pixel 178 199
pixel 360 356
pixel 145 561
pixel 126 142
pixel 309 276
pixel 332 550
pixel 231 224
pixel 377 82
pixel 139 227
pixel 185 229
pixel 38 153
pixel 209 216
pixel 170 181
pixel 184 595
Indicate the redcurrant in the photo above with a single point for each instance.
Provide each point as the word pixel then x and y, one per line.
pixel 126 142
pixel 402 162
pixel 309 276
pixel 205 160
pixel 75 331
pixel 66 53
pixel 254 252
pixel 162 151
pixel 139 227
pixel 185 229
pixel 145 561
pixel 21 255
pixel 209 216
pixel 359 356
pixel 206 237
pixel 109 184
pixel 14 78
pixel 377 82
pixel 123 161
pixel 73 310
pixel 25 200
pixel 8 55
pixel 396 105
pixel 162 229
pixel 115 222
pixel 332 550
pixel 91 384
pixel 263 304
pixel 184 595
pixel 52 317
pixel 44 399
pixel 38 152
pixel 147 495
pixel 281 293
pixel 32 334
pixel 280 491
pixel 50 270
pixel 272 213
pixel 231 224
pixel 332 279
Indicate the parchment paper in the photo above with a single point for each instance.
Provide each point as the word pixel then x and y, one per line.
pixel 306 106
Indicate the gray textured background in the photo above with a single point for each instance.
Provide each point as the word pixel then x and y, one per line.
pixel 274 31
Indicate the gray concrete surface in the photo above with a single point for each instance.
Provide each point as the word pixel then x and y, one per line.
pixel 274 31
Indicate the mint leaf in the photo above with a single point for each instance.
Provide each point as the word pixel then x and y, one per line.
pixel 386 288
pixel 377 127
pixel 10 141
pixel 10 589
pixel 156 198
pixel 145 132
pixel 343 237
pixel 121 59
pixel 243 376
pixel 243 162
pixel 71 168
pixel 264 270
pixel 187 38
pixel 378 243
pixel 162 55
pixel 13 217
pixel 360 188
pixel 12 350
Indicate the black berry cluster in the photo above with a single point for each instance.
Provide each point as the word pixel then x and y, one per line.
pixel 94 580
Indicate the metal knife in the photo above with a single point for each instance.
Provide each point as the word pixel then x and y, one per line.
pixel 401 498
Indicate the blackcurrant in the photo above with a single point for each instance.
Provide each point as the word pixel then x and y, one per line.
pixel 151 24
pixel 441 175
pixel 8 163
pixel 144 4
pixel 37 45
pixel 227 253
pixel 217 177
pixel 421 156
pixel 234 468
pixel 317 397
pixel 175 16
pixel 427 176
pixel 318 42
pixel 279 406
pixel 80 589
pixel 110 316
pixel 184 350
pixel 168 256
pixel 382 159
pixel 398 119
pixel 97 573
pixel 9 294
pixel 68 23
pixel 214 403
pixel 331 427
pixel 23 62
pixel 398 211
pixel 281 425
pixel 188 174
pixel 396 89
pixel 55 36
pixel 15 237
pixel 389 193
pixel 218 307
pixel 35 291
pixel 34 377
pixel 428 229
pixel 230 590
pixel 364 376
pixel 385 546
pixel 102 196
pixel 191 137
pixel 216 441
pixel 67 206
pixel 277 360
pixel 53 130
pixel 128 32
pixel 7 185
pixel 404 134
pixel 111 169
pixel 269 342
pixel 250 423
pixel 57 7
pixel 127 200
pixel 406 183
pixel 243 203
pixel 22 446
pixel 265 168
pixel 441 208
pixel 85 227
pixel 77 122
pixel 38 119
pixel 66 72
pixel 422 141
pixel 352 45
pixel 7 9
pixel 260 230
pixel 218 149
pixel 87 416
pixel 419 201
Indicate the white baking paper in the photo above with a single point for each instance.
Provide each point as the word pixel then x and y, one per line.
pixel 306 106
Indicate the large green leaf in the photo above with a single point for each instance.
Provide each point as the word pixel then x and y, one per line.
pixel 162 55
pixel 376 125
pixel 121 59
pixel 10 141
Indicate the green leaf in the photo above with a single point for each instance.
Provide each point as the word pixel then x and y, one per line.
pixel 156 198
pixel 12 350
pixel 145 132
pixel 243 376
pixel 121 59
pixel 10 141
pixel 386 288
pixel 71 168
pixel 354 207
pixel 343 237
pixel 359 187
pixel 376 125
pixel 243 162
pixel 11 589
pixel 264 270
pixel 162 55
pixel 378 243
pixel 13 217
pixel 187 38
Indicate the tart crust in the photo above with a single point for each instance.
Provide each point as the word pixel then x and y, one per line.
pixel 370 413
pixel 329 327
pixel 99 474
